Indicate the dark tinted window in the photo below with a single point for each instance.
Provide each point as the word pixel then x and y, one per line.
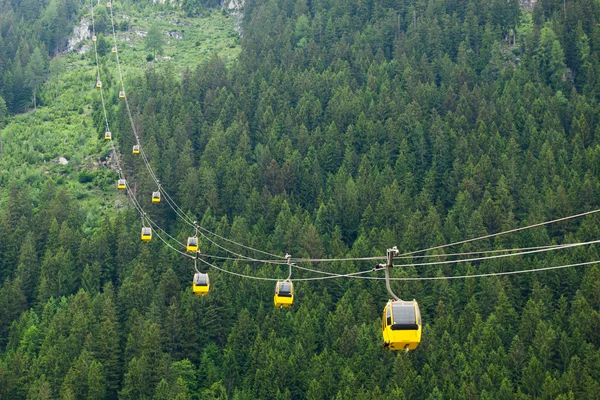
pixel 285 289
pixel 193 241
pixel 404 314
pixel 201 280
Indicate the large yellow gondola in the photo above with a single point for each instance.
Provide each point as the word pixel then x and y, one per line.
pixel 146 234
pixel 114 50
pixel 192 244
pixel 136 149
pixel 99 84
pixel 284 294
pixel 107 135
pixel 121 184
pixel 156 197
pixel 94 38
pixel 121 94
pixel 201 284
pixel 401 325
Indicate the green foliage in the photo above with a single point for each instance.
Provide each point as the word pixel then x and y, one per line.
pixel 342 129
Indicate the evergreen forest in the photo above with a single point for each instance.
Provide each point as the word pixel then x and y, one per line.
pixel 323 129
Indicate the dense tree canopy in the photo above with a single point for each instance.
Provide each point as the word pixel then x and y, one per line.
pixel 344 128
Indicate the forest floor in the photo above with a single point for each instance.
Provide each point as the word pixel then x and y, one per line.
pixel 62 127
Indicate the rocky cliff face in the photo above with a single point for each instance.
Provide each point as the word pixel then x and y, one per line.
pixel 80 33
pixel 233 5
pixel 235 8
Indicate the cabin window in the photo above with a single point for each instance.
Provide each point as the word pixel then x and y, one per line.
pixel 404 317
pixel 285 289
pixel 201 280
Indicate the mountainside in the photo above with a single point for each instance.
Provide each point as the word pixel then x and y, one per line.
pixel 338 130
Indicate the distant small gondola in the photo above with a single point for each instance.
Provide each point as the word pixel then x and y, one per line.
pixel 201 284
pixel 192 244
pixel 146 234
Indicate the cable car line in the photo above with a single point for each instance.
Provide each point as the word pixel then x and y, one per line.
pixel 377 258
pixel 558 247
pixel 240 255
pixel 524 271
pixel 188 220
pixel 330 275
pixel 534 250
pixel 179 212
pixel 353 274
pixel 504 232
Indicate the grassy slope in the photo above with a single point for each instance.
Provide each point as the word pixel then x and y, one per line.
pixel 63 126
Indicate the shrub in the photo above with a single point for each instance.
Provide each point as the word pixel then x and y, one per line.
pixel 85 177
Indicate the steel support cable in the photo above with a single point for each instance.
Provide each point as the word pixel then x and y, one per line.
pixel 558 247
pixel 524 271
pixel 135 202
pixel 242 257
pixel 503 233
pixel 178 211
pixel 377 258
pixel 525 251
pixel 129 114
pixel 98 70
pixel 240 244
pixel 277 279
pixel 154 224
pixel 112 144
pixel 187 219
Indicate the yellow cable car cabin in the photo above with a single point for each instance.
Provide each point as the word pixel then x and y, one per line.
pixel 114 50
pixel 192 244
pixel 156 197
pixel 94 38
pixel 201 284
pixel 107 135
pixel 99 84
pixel 136 149
pixel 401 325
pixel 108 4
pixel 146 234
pixel 121 184
pixel 284 294
pixel 121 94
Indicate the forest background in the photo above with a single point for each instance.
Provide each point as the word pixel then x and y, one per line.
pixel 328 129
